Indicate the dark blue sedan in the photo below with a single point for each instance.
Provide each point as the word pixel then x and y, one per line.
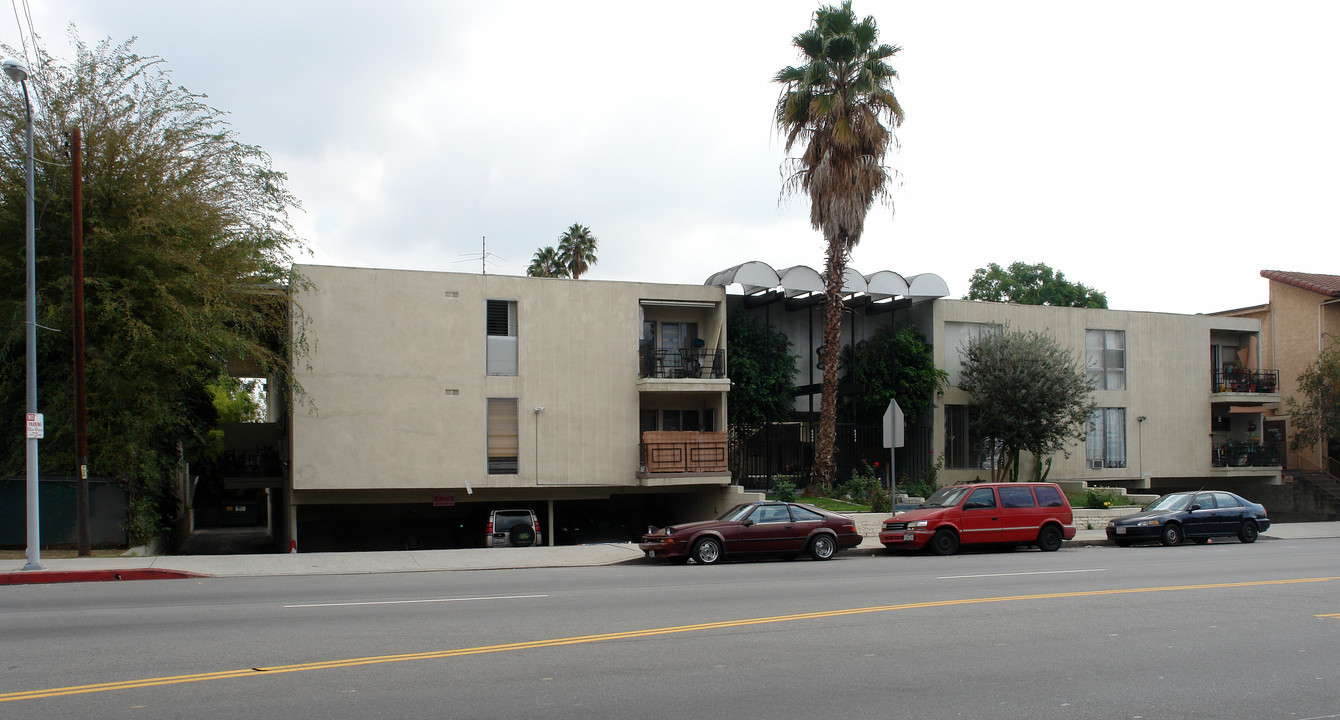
pixel 1198 516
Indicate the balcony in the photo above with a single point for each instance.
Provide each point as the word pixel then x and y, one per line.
pixel 691 362
pixel 1246 382
pixel 1235 453
pixel 683 453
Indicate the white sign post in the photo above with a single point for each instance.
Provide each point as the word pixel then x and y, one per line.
pixel 893 438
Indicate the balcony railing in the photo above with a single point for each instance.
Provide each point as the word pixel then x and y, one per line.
pixel 1247 454
pixel 683 452
pixel 692 362
pixel 1245 381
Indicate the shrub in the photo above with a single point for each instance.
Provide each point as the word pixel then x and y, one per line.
pixel 784 490
pixel 1099 498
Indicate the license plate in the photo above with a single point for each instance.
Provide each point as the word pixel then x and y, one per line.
pixel 909 537
pixel 651 553
pixel 1121 530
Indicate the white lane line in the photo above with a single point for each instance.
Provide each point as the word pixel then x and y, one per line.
pixel 1040 572
pixel 413 602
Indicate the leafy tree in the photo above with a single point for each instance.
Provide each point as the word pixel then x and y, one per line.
pixel 1315 415
pixel 836 105
pixel 577 250
pixel 894 365
pixel 186 248
pixel 546 263
pixel 762 372
pixel 1031 285
pixel 1031 394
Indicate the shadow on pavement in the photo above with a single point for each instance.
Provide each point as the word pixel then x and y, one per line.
pixel 228 541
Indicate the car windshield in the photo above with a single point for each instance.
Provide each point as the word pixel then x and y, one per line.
pixel 946 497
pixel 736 513
pixel 1171 503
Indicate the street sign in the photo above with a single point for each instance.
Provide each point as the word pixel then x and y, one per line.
pixel 36 429
pixel 893 425
pixel 444 498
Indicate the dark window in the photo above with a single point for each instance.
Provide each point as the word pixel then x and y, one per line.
pixel 803 515
pixel 499 318
pixel 1016 497
pixel 1049 497
pixel 1224 501
pixel 980 498
pixel 1205 501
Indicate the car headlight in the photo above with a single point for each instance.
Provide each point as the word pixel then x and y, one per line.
pixel 918 524
pixel 1149 523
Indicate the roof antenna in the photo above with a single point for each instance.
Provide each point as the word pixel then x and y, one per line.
pixel 484 255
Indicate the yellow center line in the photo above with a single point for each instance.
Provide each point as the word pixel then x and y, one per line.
pixel 627 635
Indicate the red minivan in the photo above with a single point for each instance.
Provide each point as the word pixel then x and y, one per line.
pixel 1024 513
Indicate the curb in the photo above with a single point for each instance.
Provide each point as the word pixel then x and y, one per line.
pixel 43 577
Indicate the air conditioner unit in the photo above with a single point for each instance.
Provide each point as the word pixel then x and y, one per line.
pixel 1095 464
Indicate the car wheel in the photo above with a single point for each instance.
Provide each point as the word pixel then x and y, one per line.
pixel 944 542
pixel 1050 539
pixel 1248 532
pixel 706 551
pixel 521 536
pixel 823 547
pixel 1122 543
pixel 1172 534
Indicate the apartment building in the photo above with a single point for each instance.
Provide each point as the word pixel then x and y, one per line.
pixel 428 398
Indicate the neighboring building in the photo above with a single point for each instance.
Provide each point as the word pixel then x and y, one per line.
pixel 432 398
pixel 1301 319
pixel 1182 399
pixel 1166 419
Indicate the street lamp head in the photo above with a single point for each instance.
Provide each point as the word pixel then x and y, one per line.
pixel 16 70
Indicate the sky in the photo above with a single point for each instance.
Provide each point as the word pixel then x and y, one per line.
pixel 1163 152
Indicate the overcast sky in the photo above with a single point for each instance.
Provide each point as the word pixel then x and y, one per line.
pixel 1162 152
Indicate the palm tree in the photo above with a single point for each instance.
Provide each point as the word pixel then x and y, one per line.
pixel 836 105
pixel 577 250
pixel 546 263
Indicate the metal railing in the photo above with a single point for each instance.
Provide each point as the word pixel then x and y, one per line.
pixel 1245 381
pixel 1247 454
pixel 682 363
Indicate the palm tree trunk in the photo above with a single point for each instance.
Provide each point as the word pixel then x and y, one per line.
pixel 825 449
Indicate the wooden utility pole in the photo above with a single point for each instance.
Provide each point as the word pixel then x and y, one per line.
pixel 80 406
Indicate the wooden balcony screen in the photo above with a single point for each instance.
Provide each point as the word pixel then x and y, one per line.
pixel 666 451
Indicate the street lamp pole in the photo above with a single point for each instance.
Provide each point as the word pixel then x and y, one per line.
pixel 18 72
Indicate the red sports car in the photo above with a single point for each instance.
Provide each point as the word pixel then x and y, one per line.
pixel 763 528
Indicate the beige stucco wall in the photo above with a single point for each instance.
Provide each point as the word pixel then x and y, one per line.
pixel 1167 382
pixel 1299 325
pixel 397 385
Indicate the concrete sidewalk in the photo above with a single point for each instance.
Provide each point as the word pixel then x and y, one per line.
pixel 195 566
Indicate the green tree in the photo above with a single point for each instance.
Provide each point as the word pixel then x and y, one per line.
pixel 894 365
pixel 1031 285
pixel 762 373
pixel 577 250
pixel 1314 416
pixel 546 263
pixel 1030 393
pixel 187 254
pixel 836 104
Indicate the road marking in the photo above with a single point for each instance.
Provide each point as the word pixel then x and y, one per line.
pixel 413 602
pixel 585 639
pixel 1331 615
pixel 1039 572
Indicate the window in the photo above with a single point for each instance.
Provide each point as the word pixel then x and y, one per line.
pixel 1106 443
pixel 502 436
pixel 771 514
pixel 980 498
pixel 500 327
pixel 957 335
pixel 963 447
pixel 1016 497
pixel 1226 501
pixel 1048 496
pixel 803 515
pixel 1105 358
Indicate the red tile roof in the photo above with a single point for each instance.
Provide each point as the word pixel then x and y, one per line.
pixel 1315 282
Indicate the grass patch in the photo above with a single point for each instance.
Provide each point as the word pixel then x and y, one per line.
pixel 831 504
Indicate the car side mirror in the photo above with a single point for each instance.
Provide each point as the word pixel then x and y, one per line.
pixel 1193 508
pixel 747 523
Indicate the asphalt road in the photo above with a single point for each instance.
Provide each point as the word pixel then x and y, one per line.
pixel 1215 631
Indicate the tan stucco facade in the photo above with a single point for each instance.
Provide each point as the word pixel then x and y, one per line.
pixel 1167 382
pixel 397 384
